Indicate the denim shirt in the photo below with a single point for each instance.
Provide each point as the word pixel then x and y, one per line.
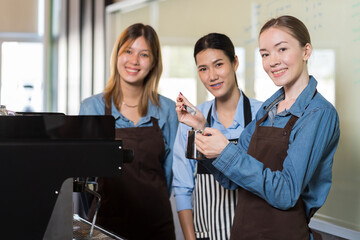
pixel 185 169
pixel 307 169
pixel 165 113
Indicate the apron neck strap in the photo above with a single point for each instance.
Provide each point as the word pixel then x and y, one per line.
pixel 107 111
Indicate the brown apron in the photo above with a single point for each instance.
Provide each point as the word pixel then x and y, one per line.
pixel 254 217
pixel 136 205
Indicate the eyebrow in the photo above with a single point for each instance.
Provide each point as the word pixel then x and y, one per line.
pixel 141 50
pixel 277 44
pixel 214 62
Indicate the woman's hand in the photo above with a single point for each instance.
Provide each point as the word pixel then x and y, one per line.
pixel 211 143
pixel 197 121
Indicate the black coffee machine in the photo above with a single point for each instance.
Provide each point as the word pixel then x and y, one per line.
pixel 41 155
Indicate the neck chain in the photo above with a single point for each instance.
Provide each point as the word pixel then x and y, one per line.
pixel 130 106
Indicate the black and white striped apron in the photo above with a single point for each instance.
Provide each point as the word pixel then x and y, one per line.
pixel 214 206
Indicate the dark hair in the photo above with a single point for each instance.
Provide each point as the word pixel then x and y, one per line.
pixel 294 26
pixel 127 37
pixel 215 41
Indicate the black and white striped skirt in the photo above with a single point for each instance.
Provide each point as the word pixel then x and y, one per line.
pixel 214 208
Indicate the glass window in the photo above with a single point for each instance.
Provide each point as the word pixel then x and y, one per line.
pixel 179 73
pixel 240 72
pixel 22 76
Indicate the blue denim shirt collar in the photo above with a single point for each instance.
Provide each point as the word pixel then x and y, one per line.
pixel 153 111
pixel 301 103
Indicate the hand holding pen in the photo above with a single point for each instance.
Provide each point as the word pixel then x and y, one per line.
pixel 188 114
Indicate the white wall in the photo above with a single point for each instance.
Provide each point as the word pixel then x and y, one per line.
pixel 19 16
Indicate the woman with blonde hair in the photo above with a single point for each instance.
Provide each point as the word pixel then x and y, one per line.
pixel 136 205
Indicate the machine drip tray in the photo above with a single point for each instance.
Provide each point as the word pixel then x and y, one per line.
pixel 81 231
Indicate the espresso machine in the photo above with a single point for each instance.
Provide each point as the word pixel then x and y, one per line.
pixel 42 157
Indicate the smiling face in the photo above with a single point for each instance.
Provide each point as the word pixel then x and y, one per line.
pixel 217 72
pixel 283 58
pixel 134 63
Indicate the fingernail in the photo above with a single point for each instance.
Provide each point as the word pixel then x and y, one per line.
pixel 181 93
pixel 180 99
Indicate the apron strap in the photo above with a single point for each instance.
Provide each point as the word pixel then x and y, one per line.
pixel 107 110
pixel 247 110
